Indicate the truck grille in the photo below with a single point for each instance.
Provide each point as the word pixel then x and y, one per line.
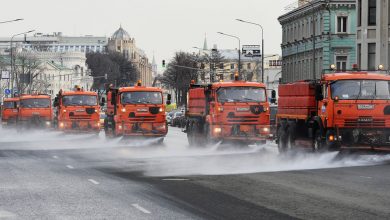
pixel 249 118
pixel 364 122
pixel 80 117
pixel 142 118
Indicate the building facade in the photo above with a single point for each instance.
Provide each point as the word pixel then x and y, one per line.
pixel 373 42
pixel 57 42
pixel 315 35
pixel 121 42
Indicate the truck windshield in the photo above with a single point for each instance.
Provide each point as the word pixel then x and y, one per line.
pixel 361 89
pixel 9 105
pixel 35 103
pixel 241 94
pixel 141 98
pixel 79 100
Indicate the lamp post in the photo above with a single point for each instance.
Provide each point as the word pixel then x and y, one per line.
pixel 11 82
pixel 239 50
pixel 262 46
pixel 19 19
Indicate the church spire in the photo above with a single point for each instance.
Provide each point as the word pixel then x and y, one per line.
pixel 205 42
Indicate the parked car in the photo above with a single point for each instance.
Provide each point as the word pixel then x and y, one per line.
pixel 175 119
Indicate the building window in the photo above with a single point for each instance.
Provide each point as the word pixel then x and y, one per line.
pixel 371 12
pixel 359 13
pixel 342 24
pixel 341 63
pixel 371 56
pixel 359 54
pixel 232 66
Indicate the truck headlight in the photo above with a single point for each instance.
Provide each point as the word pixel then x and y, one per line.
pixel 123 109
pixel 120 127
pixel 161 109
pixel 62 124
pixel 265 129
pixel 48 123
pixel 217 130
pixel 64 110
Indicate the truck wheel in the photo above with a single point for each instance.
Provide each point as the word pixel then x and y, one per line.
pixel 291 136
pixel 318 144
pixel 282 139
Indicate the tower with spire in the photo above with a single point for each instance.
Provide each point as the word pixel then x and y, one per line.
pixel 205 43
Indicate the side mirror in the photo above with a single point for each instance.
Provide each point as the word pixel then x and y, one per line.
pixel 207 93
pixel 318 93
pixel 55 103
pixel 113 97
pixel 103 101
pixel 273 96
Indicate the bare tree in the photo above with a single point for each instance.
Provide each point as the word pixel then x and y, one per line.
pixel 26 67
pixel 178 77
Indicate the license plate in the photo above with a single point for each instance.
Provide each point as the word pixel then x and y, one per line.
pixel 366 107
pixel 365 120
pixel 245 128
pixel 36 113
pixel 142 110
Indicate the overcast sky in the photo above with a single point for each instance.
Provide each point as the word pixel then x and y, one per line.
pixel 159 26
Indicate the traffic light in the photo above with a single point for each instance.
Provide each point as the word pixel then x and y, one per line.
pixel 163 63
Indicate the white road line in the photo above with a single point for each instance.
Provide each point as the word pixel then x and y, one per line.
pixel 175 179
pixel 142 209
pixel 5 214
pixel 55 157
pixel 367 177
pixel 93 181
pixel 69 166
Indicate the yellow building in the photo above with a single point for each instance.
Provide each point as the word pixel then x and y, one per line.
pixel 121 42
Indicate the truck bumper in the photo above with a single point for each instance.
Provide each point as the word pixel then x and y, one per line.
pixel 363 138
pixel 34 123
pixel 245 133
pixel 142 129
pixel 79 126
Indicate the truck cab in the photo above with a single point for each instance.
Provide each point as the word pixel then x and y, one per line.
pixel 228 111
pixel 9 111
pixel 35 111
pixel 354 109
pixel 348 109
pixel 137 111
pixel 77 111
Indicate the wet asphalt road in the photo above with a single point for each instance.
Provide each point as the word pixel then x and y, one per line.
pixel 48 175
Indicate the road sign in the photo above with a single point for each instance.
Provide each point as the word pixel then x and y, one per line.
pixel 7 91
pixel 4 74
pixel 251 51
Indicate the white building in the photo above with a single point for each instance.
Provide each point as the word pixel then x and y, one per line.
pixel 56 42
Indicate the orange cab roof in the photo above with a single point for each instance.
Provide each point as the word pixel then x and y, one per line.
pixel 14 99
pixel 237 83
pixel 355 75
pixel 34 97
pixel 78 93
pixel 140 89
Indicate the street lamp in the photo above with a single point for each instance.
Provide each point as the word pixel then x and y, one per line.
pixel 12 72
pixel 262 46
pixel 239 50
pixel 19 19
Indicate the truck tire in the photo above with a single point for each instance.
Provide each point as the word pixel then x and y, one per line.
pixel 291 136
pixel 318 144
pixel 282 139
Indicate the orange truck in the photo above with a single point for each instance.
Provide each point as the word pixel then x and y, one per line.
pixel 35 111
pixel 9 111
pixel 77 111
pixel 350 109
pixel 137 111
pixel 236 111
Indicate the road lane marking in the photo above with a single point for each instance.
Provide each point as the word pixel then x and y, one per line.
pixel 175 179
pixel 93 181
pixel 6 214
pixel 55 157
pixel 70 167
pixel 367 177
pixel 142 209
